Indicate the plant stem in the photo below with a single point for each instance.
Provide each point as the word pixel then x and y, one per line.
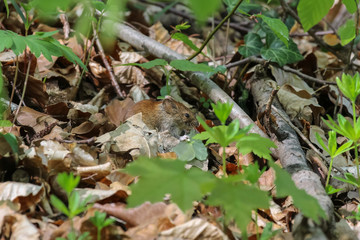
pixel 356 146
pixel 98 233
pixel 329 172
pixel 224 162
pixel 215 30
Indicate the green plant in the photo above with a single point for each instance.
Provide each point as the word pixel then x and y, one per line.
pixel 191 149
pixel 205 103
pixel 270 39
pixel 100 221
pixel 350 87
pixel 75 205
pixel 238 195
pixel 226 134
pixel 333 151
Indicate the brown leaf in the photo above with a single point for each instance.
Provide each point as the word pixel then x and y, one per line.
pixel 116 110
pixel 15 225
pixel 26 194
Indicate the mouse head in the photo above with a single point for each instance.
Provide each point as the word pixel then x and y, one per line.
pixel 182 116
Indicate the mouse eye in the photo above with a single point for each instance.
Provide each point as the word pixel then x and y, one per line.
pixel 187 115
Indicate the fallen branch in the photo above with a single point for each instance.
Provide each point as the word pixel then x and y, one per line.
pixel 293 158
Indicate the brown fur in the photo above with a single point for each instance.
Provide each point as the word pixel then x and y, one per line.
pixel 165 115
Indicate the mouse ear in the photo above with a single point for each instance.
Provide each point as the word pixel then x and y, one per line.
pixel 169 105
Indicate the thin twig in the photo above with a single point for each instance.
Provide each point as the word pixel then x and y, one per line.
pixel 214 31
pixel 114 83
pixel 89 141
pixel 319 33
pixel 267 117
pixel 23 93
pixel 15 80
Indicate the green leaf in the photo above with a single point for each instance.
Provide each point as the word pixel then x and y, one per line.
pixel 223 135
pixel 238 200
pixel 200 150
pixel 349 178
pixel 68 182
pixel 185 65
pixel 12 141
pixel 182 26
pixel 252 45
pixel 331 190
pixel 184 151
pixel 321 142
pixel 268 233
pixel 276 51
pixel 347 32
pixel 98 5
pixel 161 176
pixel 312 11
pixel 344 148
pixel 252 172
pixel 100 221
pixel 222 110
pixel 204 8
pixel 278 27
pixel 255 143
pixel 351 5
pixel 182 37
pixel 40 43
pixel 59 205
pixel 74 204
pixel 349 86
pixel 148 65
pixel 307 204
pixel 7 8
pixel 189 150
pixel 5 123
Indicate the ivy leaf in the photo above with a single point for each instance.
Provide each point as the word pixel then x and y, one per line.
pixel 162 176
pixel 238 200
pixel 312 11
pixel 252 45
pixel 276 51
pixel 278 27
pixel 307 204
pixel 255 143
pixel 347 32
pixel 185 65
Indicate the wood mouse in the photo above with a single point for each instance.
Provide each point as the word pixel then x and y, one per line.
pixel 166 114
